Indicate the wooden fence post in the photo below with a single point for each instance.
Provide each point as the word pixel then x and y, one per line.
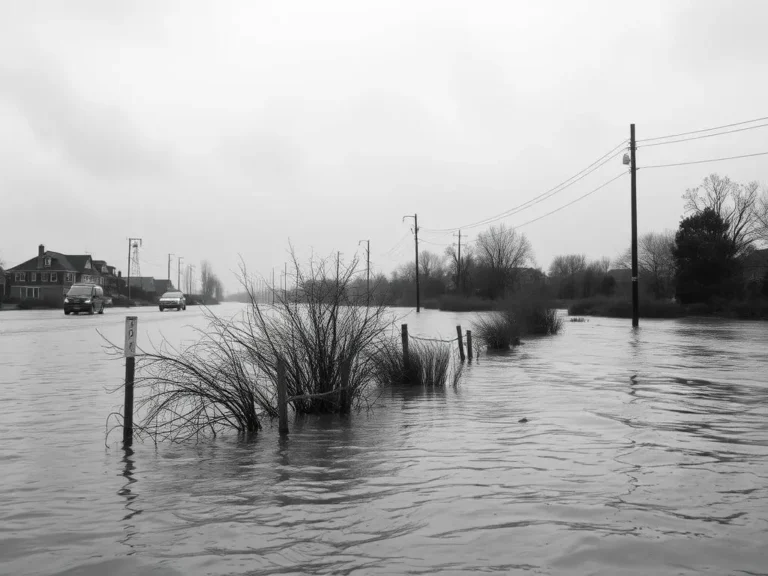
pixel 129 350
pixel 469 345
pixel 282 398
pixel 345 397
pixel 406 355
pixel 461 343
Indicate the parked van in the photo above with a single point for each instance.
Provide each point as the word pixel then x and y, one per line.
pixel 84 298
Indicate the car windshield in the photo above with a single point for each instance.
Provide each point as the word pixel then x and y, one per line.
pixel 80 291
pixel 172 295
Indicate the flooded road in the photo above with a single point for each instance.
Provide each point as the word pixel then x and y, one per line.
pixel 644 453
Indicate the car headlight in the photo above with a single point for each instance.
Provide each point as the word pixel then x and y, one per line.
pixel 88 301
pixel 66 300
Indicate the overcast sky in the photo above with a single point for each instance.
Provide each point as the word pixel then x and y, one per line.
pixel 214 130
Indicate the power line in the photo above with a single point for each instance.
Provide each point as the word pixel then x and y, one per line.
pixel 603 185
pixel 703 161
pixel 704 130
pixel 704 136
pixel 397 244
pixel 604 159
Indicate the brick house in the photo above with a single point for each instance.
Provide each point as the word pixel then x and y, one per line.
pixel 49 276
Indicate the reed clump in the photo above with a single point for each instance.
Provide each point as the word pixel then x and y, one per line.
pixel 429 364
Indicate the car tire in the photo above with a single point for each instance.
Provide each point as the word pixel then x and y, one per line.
pixel 161 308
pixel 66 312
pixel 101 310
pixel 90 311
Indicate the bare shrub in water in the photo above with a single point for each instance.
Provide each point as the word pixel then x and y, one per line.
pixel 325 321
pixel 228 379
pixel 497 330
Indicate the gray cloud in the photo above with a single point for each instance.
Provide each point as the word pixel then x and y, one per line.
pixel 100 139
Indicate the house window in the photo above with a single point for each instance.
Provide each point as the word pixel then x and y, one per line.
pixel 88 265
pixel 20 277
pixel 69 277
pixel 33 276
pixel 30 292
pixel 85 278
pixel 47 261
pixel 54 277
pixel 44 276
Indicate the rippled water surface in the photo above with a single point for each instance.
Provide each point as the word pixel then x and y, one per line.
pixel 644 453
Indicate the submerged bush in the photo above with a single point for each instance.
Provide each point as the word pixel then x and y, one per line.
pixel 228 379
pixel 497 331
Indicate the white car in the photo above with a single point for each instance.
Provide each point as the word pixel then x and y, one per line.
pixel 173 299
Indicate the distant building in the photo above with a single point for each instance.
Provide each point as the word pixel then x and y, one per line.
pixel 49 275
pixel 163 286
pixel 144 283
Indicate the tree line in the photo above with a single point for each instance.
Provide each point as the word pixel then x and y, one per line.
pixel 713 254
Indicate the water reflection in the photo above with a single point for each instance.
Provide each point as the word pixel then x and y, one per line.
pixel 130 496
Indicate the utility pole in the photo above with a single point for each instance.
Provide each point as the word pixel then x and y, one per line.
pixel 178 272
pixel 367 269
pixel 458 268
pixel 130 246
pixel 273 285
pixel 635 288
pixel 285 283
pixel 169 266
pixel 416 236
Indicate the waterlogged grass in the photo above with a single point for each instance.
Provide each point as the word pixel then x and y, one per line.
pixel 430 364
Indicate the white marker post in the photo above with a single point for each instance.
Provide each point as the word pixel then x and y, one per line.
pixel 131 325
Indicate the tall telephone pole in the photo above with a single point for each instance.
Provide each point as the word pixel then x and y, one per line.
pixel 633 170
pixel 131 243
pixel 367 268
pixel 416 236
pixel 169 266
pixel 178 272
pixel 458 268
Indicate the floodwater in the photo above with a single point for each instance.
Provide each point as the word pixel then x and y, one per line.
pixel 644 453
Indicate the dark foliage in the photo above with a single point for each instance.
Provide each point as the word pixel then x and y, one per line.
pixel 705 258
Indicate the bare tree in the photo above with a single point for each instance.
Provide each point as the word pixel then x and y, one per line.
pixel 737 204
pixel 465 267
pixel 430 264
pixel 567 265
pixel 503 250
pixel 655 261
pixel 762 215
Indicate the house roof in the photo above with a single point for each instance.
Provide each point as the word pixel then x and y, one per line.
pixel 79 261
pixel 59 262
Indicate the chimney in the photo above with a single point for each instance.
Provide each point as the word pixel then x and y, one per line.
pixel 40 252
pixel 119 274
